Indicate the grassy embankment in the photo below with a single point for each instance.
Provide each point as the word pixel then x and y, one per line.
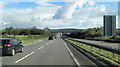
pixel 101 54
pixel 27 38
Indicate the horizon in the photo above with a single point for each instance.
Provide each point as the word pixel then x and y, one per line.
pixel 56 28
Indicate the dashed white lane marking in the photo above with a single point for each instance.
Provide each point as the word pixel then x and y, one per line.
pixel 31 53
pixel 24 57
pixel 72 54
pixel 40 48
pixel 44 46
pixel 51 42
pixel 47 44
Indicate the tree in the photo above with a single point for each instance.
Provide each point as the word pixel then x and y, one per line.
pixel 90 32
pixel 9 30
pixel 24 32
pixel 47 31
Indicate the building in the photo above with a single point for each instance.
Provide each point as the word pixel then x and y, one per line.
pixel 109 25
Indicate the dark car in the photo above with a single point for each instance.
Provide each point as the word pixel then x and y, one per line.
pixel 50 38
pixel 10 46
pixel 55 37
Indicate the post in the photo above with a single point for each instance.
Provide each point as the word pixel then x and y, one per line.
pixel 100 49
pixel 91 48
pixel 113 54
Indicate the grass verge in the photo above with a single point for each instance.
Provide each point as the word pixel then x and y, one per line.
pixel 108 57
pixel 27 38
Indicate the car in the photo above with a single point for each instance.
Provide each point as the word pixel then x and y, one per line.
pixel 50 38
pixel 10 46
pixel 55 37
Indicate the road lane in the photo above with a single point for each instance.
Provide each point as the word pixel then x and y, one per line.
pixel 83 60
pixel 54 53
pixel 36 42
pixel 24 57
pixel 31 53
pixel 9 60
pixel 71 54
pixel 48 52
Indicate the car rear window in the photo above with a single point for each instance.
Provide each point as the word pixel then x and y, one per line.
pixel 4 42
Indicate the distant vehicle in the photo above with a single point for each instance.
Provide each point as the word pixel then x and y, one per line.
pixel 50 38
pixel 10 46
pixel 55 37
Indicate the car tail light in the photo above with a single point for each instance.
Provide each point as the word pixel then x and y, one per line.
pixel 7 45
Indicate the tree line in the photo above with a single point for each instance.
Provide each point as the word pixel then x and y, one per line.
pixel 22 31
pixel 89 33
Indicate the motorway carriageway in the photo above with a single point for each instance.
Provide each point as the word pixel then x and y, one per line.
pixel 48 52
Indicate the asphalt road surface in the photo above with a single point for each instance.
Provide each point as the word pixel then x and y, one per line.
pixel 48 52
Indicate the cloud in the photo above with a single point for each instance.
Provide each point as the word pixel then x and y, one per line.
pixel 66 16
pixel 91 3
pixel 27 17
pixel 57 0
pixel 68 10
pixel 91 16
pixel 2 4
pixel 44 3
pixel 80 19
pixel 5 23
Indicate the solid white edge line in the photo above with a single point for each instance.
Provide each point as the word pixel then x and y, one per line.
pixel 72 54
pixel 24 57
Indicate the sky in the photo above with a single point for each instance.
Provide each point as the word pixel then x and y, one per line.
pixel 81 14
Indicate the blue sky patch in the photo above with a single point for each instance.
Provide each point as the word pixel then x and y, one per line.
pixel 21 5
